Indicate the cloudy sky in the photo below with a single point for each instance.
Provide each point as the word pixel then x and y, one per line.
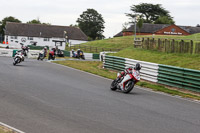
pixel 66 12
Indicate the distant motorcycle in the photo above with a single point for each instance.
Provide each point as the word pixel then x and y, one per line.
pixel 41 55
pixel 80 55
pixel 51 55
pixel 19 57
pixel 127 82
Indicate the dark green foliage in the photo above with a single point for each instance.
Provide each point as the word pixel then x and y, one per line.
pixel 3 23
pixel 37 21
pixel 92 24
pixel 34 21
pixel 149 12
pixel 164 20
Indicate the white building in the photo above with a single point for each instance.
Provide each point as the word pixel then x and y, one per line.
pixel 17 34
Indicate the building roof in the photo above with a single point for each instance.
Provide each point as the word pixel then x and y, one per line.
pixel 148 28
pixel 45 31
pixel 152 28
pixel 119 34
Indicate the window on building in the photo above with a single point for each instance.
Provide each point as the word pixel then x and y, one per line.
pixel 173 30
pixel 46 39
pixel 30 38
pixel 13 37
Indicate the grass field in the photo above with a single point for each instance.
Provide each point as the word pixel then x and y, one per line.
pixel 128 51
pixel 180 60
pixel 127 41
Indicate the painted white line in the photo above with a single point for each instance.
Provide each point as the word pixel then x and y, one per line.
pixel 138 87
pixel 12 128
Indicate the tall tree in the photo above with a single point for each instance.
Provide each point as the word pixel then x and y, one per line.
pixel 140 24
pixel 164 20
pixel 149 12
pixel 34 21
pixel 37 21
pixel 7 19
pixel 92 24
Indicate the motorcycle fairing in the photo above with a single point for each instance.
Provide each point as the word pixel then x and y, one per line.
pixel 126 78
pixel 136 75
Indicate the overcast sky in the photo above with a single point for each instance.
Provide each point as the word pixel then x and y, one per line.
pixel 66 12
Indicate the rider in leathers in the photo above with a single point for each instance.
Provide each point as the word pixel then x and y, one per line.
pixel 129 70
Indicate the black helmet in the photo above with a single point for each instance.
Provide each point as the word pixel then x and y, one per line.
pixel 138 66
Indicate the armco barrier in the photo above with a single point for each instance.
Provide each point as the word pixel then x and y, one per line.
pixel 149 71
pixel 179 77
pixel 33 53
pixel 163 74
pixel 113 62
pixel 6 52
pixel 67 53
pixel 95 56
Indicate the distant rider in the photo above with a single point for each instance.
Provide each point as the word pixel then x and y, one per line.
pixel 45 51
pixel 78 52
pixel 73 53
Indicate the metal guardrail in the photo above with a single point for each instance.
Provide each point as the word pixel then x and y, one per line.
pixel 149 70
pixel 113 62
pixel 179 77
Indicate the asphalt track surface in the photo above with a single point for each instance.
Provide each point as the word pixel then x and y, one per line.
pixel 41 97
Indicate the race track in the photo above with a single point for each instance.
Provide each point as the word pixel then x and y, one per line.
pixel 41 97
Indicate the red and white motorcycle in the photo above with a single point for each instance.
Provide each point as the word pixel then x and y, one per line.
pixel 126 83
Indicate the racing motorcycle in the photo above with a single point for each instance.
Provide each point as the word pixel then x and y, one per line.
pixel 41 55
pixel 51 55
pixel 125 83
pixel 80 55
pixel 19 57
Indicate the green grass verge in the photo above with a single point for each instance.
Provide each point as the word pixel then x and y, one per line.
pixel 5 131
pixel 179 60
pixel 96 68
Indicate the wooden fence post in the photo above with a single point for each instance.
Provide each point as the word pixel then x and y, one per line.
pixel 173 46
pixel 191 46
pixel 148 42
pixel 165 44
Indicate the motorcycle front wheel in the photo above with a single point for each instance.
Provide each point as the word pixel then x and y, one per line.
pixel 113 85
pixel 128 86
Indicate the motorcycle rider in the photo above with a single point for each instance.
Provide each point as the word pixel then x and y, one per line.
pixel 45 51
pixel 129 70
pixel 25 50
pixel 78 52
pixel 73 53
pixel 42 54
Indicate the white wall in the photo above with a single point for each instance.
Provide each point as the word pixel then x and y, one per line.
pixel 40 42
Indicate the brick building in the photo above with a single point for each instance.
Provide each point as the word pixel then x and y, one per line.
pixel 159 29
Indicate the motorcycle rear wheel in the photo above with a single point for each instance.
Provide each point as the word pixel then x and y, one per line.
pixel 128 86
pixel 113 85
